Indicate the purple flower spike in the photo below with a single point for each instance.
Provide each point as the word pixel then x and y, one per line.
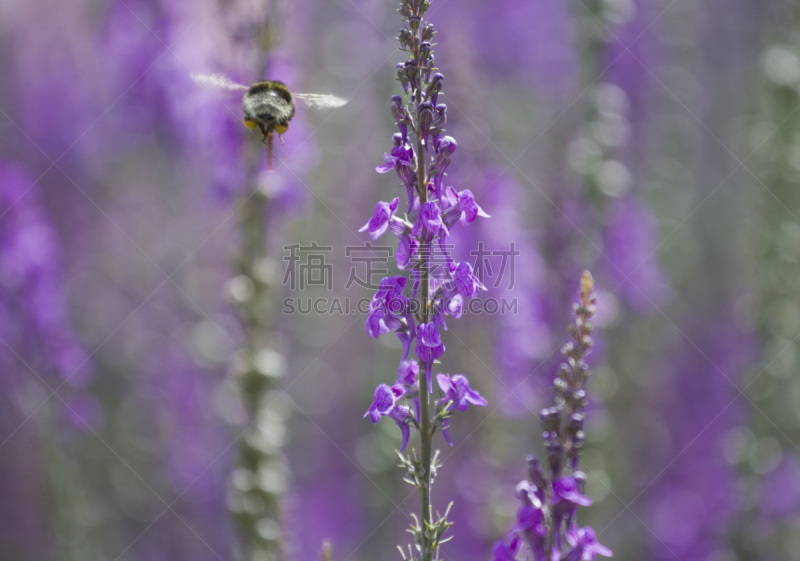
pixel 471 209
pixel 585 545
pixel 379 222
pixel 385 405
pixel 467 283
pixel 566 489
pixel 551 500
pixel 422 232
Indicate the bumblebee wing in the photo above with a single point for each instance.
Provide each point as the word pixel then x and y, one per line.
pixel 217 81
pixel 321 101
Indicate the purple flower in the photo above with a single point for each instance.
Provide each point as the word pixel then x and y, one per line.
pixel 451 206
pixel 528 494
pixel 391 288
pixel 385 405
pixel 455 306
pixel 530 520
pixel 531 525
pixel 408 372
pixel 429 347
pixel 502 552
pixel 566 489
pixel 375 325
pixel 402 161
pixel 457 390
pixel 466 282
pixel 384 212
pixel 471 209
pixel 429 336
pixel 585 545
pixel 388 311
pixel 429 223
pixel 400 156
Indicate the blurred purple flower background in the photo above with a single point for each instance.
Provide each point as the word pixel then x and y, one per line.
pixel 654 143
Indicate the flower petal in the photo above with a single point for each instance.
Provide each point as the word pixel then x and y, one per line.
pixel 378 230
pixel 406 432
pixel 387 166
pixel 446 431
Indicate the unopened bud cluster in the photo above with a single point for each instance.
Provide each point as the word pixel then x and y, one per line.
pixel 549 499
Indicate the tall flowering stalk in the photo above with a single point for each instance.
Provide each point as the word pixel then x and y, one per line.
pixel 420 157
pixel 546 520
pixel 259 480
pixel 768 469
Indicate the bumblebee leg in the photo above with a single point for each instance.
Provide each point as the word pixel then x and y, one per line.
pixel 269 152
pixel 280 129
pixel 264 133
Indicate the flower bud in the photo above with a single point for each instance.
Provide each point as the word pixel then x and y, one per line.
pixel 427 32
pixel 402 75
pixel 425 51
pixel 405 38
pixel 535 473
pixel 424 120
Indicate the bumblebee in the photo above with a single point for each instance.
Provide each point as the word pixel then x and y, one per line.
pixel 269 105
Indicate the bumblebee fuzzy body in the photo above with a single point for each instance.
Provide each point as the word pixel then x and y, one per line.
pixel 268 105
